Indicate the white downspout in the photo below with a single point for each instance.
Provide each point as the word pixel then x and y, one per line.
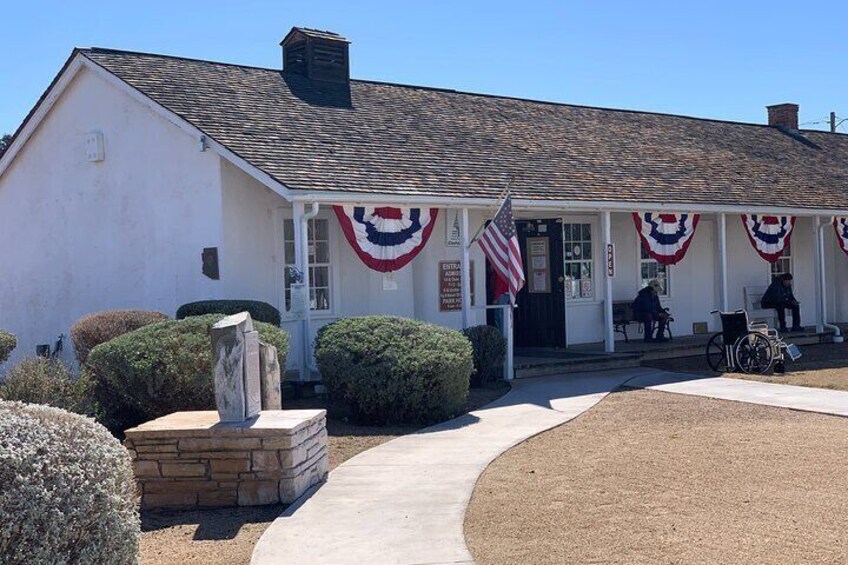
pixel 307 365
pixel 837 333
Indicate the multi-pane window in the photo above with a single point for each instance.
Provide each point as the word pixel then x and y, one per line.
pixel 649 270
pixel 577 251
pixel 319 262
pixel 783 264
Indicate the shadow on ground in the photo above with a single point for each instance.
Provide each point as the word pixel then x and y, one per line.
pixel 212 524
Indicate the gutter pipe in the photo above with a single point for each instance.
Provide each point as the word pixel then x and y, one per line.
pixel 837 332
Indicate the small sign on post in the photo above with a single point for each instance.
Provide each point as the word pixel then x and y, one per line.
pixel 611 260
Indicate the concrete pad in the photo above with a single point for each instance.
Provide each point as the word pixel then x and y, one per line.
pixel 808 399
pixel 404 502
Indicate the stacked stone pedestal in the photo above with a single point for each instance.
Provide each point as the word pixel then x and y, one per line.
pixel 192 459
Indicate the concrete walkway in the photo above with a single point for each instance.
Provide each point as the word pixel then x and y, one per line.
pixel 404 502
pixel 808 399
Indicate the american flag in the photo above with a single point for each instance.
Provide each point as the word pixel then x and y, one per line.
pixel 499 242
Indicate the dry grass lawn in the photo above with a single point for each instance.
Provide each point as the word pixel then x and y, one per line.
pixel 651 477
pixel 226 536
pixel 822 366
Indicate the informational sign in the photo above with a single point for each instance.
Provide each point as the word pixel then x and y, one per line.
pixel 450 286
pixel 453 233
pixel 611 260
pixel 297 308
pixel 538 253
pixel 389 281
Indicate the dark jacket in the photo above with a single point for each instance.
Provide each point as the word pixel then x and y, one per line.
pixel 647 302
pixel 777 295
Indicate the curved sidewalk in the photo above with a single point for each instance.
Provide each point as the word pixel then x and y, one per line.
pixel 404 502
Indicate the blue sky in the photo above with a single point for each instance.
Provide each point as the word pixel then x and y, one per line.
pixel 723 60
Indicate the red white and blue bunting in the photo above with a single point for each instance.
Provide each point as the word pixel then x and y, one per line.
pixel 666 237
pixel 386 238
pixel 769 235
pixel 840 224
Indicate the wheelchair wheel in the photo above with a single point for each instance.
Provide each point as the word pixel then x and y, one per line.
pixel 754 353
pixel 716 354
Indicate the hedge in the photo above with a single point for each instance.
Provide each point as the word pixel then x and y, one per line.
pixel 40 380
pixel 68 493
pixel 8 342
pixel 489 348
pixel 92 330
pixel 394 370
pixel 161 368
pixel 259 311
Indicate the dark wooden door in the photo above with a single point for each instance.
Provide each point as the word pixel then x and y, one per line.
pixel 540 315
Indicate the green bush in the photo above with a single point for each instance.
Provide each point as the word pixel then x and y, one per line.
pixel 159 369
pixel 94 329
pixel 259 311
pixel 67 493
pixel 8 342
pixel 394 370
pixel 39 380
pixel 489 352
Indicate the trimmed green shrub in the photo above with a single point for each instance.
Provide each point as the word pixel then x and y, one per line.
pixel 94 329
pixel 489 352
pixel 259 311
pixel 40 380
pixel 8 342
pixel 159 369
pixel 394 370
pixel 68 493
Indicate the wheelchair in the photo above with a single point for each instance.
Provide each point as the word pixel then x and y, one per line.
pixel 747 347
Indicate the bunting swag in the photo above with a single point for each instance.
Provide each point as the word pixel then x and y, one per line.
pixel 386 238
pixel 841 227
pixel 666 237
pixel 769 234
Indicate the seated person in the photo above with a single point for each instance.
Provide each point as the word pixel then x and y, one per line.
pixel 647 309
pixel 780 297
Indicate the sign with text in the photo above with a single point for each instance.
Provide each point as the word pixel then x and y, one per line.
pixel 450 286
pixel 453 233
pixel 610 260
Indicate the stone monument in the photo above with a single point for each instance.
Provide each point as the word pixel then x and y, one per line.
pixel 235 349
pixel 269 377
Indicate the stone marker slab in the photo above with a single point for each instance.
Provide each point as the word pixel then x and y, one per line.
pixel 269 376
pixel 235 351
pixel 252 386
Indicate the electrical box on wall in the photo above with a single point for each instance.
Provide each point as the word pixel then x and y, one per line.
pixel 95 150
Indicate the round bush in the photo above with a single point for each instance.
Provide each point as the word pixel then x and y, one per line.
pixel 259 311
pixel 38 380
pixel 394 370
pixel 67 493
pixel 161 368
pixel 8 342
pixel 94 329
pixel 489 352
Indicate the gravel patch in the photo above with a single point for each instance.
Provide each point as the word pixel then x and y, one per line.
pixel 652 477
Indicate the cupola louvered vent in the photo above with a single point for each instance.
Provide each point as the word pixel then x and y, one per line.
pixel 316 54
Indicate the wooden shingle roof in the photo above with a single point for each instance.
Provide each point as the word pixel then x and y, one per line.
pixel 370 137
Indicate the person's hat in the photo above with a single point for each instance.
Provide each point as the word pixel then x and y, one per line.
pixel 787 276
pixel 655 284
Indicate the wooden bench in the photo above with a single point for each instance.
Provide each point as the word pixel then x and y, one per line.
pixel 622 316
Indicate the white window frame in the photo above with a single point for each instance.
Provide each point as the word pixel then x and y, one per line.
pixel 783 257
pixel 285 215
pixel 641 261
pixel 593 234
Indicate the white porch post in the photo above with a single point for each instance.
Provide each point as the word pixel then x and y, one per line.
pixel 465 270
pixel 301 253
pixel 609 334
pixel 818 262
pixel 722 260
pixel 510 343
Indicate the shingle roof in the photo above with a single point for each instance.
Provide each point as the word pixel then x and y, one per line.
pixel 319 33
pixel 388 138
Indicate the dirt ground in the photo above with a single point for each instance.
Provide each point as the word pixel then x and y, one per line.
pixel 821 366
pixel 226 536
pixel 651 477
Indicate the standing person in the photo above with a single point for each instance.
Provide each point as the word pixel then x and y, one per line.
pixel 648 310
pixel 500 295
pixel 780 297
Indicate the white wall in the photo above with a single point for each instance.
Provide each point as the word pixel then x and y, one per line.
pixel 126 232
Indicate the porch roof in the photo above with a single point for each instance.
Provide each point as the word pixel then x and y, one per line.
pixel 371 138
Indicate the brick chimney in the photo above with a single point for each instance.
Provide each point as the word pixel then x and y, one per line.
pixel 316 54
pixel 783 115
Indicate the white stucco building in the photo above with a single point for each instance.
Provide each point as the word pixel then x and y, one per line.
pixel 132 164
